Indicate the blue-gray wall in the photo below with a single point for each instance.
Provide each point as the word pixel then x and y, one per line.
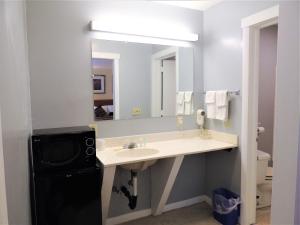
pixel 135 75
pixel 297 208
pixel 186 69
pixel 59 53
pixel 297 205
pixel 61 87
pixel 287 113
pixel 60 50
pixel 15 114
pixel 222 69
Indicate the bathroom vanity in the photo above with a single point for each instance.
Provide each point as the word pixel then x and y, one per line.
pixel 163 152
pixel 136 80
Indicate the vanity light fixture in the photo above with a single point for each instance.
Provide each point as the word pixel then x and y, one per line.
pixel 159 36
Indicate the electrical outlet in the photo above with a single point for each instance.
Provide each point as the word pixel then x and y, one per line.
pixel 94 126
pixel 136 111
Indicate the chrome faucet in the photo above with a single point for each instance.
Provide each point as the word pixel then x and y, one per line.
pixel 130 145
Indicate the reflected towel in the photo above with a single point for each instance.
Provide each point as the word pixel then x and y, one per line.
pixel 188 103
pixel 180 103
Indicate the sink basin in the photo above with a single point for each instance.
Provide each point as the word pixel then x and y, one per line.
pixel 137 152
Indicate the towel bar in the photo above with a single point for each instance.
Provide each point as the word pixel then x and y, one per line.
pixel 238 92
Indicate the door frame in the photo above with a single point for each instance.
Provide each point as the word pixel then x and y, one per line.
pixel 251 27
pixel 156 81
pixel 116 78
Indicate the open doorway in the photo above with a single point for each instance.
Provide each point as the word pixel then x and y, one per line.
pixel 105 74
pixel 164 82
pixel 254 59
pixel 266 109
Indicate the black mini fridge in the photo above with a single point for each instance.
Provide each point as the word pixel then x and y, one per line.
pixel 65 192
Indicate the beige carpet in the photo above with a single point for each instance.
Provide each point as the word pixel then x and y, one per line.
pixel 199 214
pixel 263 216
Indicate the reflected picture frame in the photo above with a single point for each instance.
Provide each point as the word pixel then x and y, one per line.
pixel 99 84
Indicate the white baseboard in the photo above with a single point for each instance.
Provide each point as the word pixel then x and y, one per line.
pixel 208 200
pixel 184 203
pixel 147 212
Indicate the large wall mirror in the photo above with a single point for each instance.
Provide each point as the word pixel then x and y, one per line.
pixel 134 80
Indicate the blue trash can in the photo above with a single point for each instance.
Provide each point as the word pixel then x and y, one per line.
pixel 226 206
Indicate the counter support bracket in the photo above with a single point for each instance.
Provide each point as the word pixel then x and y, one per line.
pixel 108 180
pixel 163 175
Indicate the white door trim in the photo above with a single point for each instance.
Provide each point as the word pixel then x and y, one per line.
pixel 156 81
pixel 262 18
pixel 251 29
pixel 116 79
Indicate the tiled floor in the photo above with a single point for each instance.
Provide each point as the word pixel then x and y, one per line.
pixel 199 214
pixel 263 216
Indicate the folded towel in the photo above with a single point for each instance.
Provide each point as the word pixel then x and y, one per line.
pixel 211 111
pixel 210 97
pixel 180 97
pixel 222 113
pixel 210 100
pixel 188 96
pixel 180 103
pixel 188 103
pixel 222 98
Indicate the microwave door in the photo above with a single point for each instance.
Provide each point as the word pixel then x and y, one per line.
pixel 59 151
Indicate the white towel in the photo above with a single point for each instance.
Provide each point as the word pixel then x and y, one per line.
pixel 210 97
pixel 188 103
pixel 210 100
pixel 180 103
pixel 222 100
pixel 180 97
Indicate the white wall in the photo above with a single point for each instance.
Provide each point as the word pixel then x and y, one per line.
pixel 15 109
pixel 266 93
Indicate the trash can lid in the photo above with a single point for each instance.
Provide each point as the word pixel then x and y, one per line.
pixel 263 155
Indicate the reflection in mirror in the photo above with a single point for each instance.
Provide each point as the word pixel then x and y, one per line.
pixel 133 80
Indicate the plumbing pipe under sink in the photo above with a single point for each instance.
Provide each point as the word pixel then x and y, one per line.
pixel 131 198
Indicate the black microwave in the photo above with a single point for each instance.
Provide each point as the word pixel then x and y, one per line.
pixel 69 148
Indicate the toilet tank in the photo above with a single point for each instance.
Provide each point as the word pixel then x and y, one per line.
pixel 262 166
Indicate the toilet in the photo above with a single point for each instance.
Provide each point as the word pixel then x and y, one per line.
pixel 263 180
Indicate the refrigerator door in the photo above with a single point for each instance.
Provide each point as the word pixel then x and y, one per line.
pixel 68 198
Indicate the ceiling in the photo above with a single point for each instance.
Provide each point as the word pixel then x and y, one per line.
pixel 197 5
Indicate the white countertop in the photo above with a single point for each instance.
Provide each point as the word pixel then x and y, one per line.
pixel 168 148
